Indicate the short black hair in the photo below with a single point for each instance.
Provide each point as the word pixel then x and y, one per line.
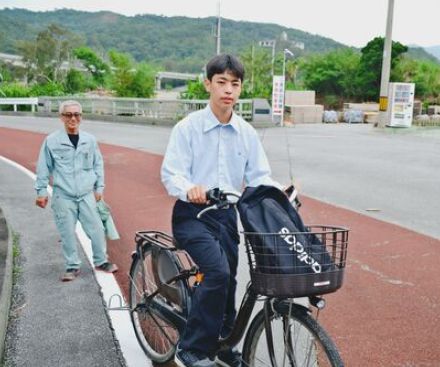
pixel 221 63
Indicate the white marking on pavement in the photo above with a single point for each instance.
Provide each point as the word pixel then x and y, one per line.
pixel 120 320
pixel 381 275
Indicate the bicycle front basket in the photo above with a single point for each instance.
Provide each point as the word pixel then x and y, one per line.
pixel 297 264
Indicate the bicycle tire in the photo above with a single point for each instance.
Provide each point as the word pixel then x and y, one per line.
pixel 307 345
pixel 157 336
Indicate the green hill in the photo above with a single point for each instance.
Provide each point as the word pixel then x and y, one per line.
pixel 434 50
pixel 175 43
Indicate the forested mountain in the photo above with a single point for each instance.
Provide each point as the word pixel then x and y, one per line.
pixel 419 53
pixel 434 50
pixel 175 43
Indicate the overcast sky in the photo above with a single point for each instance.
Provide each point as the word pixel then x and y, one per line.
pixel 352 22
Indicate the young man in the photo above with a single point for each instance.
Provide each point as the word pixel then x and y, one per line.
pixel 212 148
pixel 72 158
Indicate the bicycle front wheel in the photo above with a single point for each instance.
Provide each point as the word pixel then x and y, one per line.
pixel 294 339
pixel 157 336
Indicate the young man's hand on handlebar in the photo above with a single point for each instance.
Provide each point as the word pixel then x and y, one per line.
pixel 197 195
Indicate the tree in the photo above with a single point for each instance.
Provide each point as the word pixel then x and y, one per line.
pixel 123 73
pixel 195 90
pixel 129 79
pixel 45 56
pixel 425 75
pixel 143 82
pixel 75 82
pixel 291 71
pixel 332 73
pixel 258 65
pixel 94 64
pixel 370 67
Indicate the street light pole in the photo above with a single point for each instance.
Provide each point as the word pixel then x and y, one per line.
pixel 386 66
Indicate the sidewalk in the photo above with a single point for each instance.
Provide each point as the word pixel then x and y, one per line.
pixel 54 323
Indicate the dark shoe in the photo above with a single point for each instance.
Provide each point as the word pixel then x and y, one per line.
pixel 229 358
pixel 107 267
pixel 69 275
pixel 186 358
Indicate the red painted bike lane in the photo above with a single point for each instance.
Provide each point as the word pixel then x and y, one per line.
pixel 387 312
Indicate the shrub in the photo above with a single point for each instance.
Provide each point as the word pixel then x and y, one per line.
pixel 49 89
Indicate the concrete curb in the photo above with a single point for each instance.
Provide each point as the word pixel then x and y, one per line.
pixel 6 264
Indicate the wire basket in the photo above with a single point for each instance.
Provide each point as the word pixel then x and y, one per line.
pixel 297 264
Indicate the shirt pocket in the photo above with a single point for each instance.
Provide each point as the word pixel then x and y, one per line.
pixel 241 156
pixel 87 159
pixel 63 158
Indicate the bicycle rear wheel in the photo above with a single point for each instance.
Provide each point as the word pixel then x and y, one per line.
pixel 157 335
pixel 293 340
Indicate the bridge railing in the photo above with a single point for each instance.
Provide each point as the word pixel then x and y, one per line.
pixel 14 102
pixel 148 110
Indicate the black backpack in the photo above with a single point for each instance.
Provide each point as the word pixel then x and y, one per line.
pixel 280 241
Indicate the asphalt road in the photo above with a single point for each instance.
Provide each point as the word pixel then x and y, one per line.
pixel 391 295
pixel 388 174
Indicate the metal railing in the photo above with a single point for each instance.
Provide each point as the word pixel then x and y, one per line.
pixel 139 108
pixel 33 102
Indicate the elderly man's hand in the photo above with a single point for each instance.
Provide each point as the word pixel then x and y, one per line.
pixel 98 196
pixel 41 201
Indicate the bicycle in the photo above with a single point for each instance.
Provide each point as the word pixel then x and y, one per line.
pixel 283 333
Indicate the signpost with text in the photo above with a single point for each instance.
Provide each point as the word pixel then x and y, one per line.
pixel 278 99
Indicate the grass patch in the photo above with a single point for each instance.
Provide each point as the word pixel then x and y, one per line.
pixel 16 252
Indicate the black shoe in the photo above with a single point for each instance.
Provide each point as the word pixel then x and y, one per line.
pixel 229 358
pixel 107 267
pixel 70 274
pixel 187 358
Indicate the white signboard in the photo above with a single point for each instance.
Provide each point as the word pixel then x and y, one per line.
pixel 278 95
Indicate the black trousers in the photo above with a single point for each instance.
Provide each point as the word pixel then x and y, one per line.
pixel 212 242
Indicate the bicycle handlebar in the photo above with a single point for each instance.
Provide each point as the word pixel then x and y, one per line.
pixel 220 199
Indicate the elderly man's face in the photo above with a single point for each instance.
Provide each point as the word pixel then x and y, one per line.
pixel 71 118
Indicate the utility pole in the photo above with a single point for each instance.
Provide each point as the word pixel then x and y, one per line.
pixel 252 66
pixel 386 66
pixel 217 33
pixel 285 53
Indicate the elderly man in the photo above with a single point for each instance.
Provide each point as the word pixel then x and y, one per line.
pixel 72 158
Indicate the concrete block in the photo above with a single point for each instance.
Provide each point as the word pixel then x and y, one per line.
pixel 304 114
pixel 299 97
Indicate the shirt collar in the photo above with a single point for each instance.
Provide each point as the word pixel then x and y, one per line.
pixel 212 122
pixel 65 138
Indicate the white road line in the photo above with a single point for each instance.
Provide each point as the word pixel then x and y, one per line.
pixel 120 320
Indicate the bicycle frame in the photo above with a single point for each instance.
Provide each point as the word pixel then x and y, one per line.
pixel 163 274
pixel 178 319
pixel 241 321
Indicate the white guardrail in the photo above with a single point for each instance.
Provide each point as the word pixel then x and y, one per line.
pixel 33 102
pixel 143 108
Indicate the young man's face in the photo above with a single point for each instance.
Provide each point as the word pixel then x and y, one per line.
pixel 224 90
pixel 71 118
